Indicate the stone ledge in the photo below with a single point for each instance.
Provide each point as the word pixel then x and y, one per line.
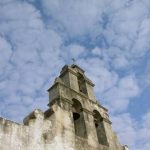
pixel 3 120
pixel 33 115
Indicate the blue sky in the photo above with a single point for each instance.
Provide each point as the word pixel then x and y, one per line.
pixel 109 39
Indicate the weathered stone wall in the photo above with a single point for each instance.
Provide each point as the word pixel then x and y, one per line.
pixel 12 135
pixel 54 132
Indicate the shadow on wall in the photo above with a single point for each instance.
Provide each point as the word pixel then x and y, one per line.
pixel 78 118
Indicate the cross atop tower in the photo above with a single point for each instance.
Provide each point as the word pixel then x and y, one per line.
pixel 73 60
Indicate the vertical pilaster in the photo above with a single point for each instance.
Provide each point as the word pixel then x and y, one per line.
pixel 90 128
pixel 67 128
pixel 112 142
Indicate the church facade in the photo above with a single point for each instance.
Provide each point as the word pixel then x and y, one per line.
pixel 74 120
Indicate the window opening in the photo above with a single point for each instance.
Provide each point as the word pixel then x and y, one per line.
pixel 81 83
pixel 78 119
pixel 100 130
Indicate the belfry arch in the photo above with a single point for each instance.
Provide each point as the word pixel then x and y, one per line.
pixel 81 83
pixel 100 129
pixel 78 119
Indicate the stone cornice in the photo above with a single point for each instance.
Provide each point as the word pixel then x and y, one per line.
pixel 59 98
pixel 87 111
pixel 52 102
pixel 89 81
pixel 67 69
pixel 102 107
pixel 76 66
pixel 81 94
pixel 55 84
pixel 107 120
pixel 66 100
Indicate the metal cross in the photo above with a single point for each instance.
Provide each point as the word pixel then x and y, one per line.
pixel 73 60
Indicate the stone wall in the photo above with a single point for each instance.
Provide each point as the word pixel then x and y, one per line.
pixel 41 131
pixel 12 135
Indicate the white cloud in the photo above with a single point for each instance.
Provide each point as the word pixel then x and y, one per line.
pixel 114 91
pixel 119 96
pixel 97 51
pixel 29 54
pixel 73 15
pixel 124 126
pixel 138 132
pixel 120 62
pixel 147 78
pixel 5 53
pixel 75 50
pixel 72 51
pixel 130 86
pixel 124 24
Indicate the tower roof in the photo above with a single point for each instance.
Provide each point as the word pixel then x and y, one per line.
pixel 77 67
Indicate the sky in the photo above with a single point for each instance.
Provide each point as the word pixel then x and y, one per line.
pixel 109 39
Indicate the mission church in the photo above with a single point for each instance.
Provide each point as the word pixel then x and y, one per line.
pixel 74 120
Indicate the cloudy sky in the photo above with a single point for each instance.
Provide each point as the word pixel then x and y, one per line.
pixel 109 39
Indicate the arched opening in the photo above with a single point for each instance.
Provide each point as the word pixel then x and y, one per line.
pixel 81 83
pixel 78 119
pixel 100 130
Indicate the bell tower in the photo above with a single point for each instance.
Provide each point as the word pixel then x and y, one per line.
pixel 74 120
pixel 73 76
pixel 81 122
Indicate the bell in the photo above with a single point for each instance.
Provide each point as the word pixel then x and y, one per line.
pixel 76 116
pixel 96 125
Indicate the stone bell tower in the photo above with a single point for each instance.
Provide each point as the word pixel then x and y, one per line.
pixel 73 121
pixel 81 122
